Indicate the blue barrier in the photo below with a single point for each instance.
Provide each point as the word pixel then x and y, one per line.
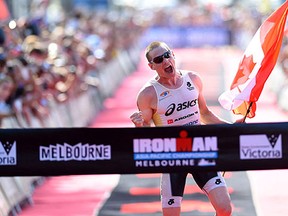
pixel 188 36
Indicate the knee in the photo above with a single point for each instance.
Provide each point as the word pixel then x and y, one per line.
pixel 224 210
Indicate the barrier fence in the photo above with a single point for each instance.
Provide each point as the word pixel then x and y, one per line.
pixel 189 36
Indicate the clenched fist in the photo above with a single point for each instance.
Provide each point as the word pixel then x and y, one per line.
pixel 137 119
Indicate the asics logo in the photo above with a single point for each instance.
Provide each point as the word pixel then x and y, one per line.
pixel 171 202
pixel 218 181
pixel 189 86
pixel 181 106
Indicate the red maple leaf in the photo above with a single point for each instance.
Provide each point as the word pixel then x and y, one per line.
pixel 244 70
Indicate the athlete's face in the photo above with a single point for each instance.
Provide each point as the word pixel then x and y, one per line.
pixel 163 62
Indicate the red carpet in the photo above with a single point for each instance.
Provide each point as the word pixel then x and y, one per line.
pixel 119 107
pixel 71 195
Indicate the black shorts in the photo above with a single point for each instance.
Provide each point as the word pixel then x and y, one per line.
pixel 178 180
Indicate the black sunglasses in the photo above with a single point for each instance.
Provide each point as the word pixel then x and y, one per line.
pixel 159 59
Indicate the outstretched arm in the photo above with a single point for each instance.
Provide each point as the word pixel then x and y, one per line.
pixel 206 115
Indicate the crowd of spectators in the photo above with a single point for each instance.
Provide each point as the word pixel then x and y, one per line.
pixel 242 19
pixel 43 62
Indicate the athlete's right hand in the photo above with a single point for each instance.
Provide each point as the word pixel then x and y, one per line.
pixel 137 119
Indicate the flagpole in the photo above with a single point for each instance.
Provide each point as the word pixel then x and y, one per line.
pixel 247 112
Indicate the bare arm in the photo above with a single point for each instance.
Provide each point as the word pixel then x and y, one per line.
pixel 206 115
pixel 143 117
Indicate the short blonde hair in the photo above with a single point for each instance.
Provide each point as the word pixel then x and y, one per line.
pixel 152 46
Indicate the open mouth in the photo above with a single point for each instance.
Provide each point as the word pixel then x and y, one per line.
pixel 169 69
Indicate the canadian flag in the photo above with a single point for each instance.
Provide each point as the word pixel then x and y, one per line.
pixel 256 65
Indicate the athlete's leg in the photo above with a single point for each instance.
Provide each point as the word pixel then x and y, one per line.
pixel 175 211
pixel 214 185
pixel 220 199
pixel 172 189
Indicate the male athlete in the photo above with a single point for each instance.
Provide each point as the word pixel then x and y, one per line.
pixel 154 101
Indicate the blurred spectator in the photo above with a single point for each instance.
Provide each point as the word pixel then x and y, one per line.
pixel 6 89
pixel 3 61
pixel 27 98
pixel 2 37
pixel 283 56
